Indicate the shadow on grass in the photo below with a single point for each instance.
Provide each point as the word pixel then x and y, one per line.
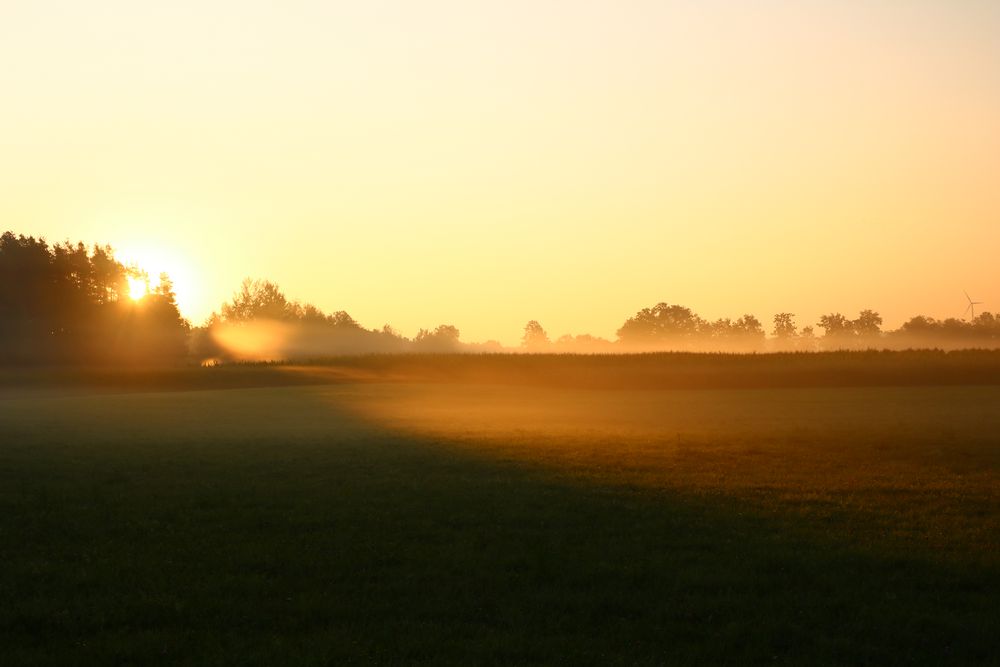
pixel 266 527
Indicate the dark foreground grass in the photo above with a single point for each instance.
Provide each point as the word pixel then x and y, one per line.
pixel 395 524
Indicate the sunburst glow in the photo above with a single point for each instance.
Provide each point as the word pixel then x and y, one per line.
pixel 137 288
pixel 153 259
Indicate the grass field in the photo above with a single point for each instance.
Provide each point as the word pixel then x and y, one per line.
pixel 379 515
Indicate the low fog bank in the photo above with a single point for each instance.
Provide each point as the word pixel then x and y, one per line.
pixel 271 340
pixel 261 324
pixel 276 340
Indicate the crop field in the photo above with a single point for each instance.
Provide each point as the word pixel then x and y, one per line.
pixel 380 512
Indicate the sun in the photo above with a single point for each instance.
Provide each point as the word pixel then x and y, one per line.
pixel 137 288
pixel 149 261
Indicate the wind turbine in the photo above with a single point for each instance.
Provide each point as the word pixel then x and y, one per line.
pixel 972 305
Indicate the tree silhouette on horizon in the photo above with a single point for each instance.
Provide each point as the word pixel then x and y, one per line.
pixel 65 304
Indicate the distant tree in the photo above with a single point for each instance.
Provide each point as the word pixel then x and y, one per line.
pixel 310 314
pixel 749 327
pixel 918 331
pixel 868 325
pixel 447 332
pixel 807 340
pixel 838 331
pixel 743 334
pixel 535 339
pixel 986 329
pixel 308 331
pixel 720 329
pixel 955 330
pixel 661 325
pixel 259 300
pixel 390 340
pixel 748 334
pixel 343 320
pixel 444 338
pixel 920 325
pixel 784 326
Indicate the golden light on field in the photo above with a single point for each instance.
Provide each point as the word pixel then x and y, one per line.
pixel 137 288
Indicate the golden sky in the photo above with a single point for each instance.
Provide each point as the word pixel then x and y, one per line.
pixel 486 163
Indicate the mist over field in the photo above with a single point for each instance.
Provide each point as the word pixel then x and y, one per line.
pixel 639 334
pixel 276 340
pixel 261 324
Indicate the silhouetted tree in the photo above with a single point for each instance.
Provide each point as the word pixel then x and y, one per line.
pixel 662 325
pixel 310 314
pixel 259 300
pixel 784 326
pixel 807 340
pixel 61 304
pixel 951 333
pixel 868 325
pixel 720 329
pixel 343 320
pixel 744 334
pixel 535 339
pixel 445 338
pixel 986 327
pixel 838 331
pixel 390 340
pixel 749 329
pixel 303 330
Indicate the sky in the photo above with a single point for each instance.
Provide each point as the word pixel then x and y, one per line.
pixel 486 163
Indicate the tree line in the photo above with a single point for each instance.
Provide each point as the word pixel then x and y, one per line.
pixel 67 303
pixel 261 322
pixel 677 327
pixel 660 327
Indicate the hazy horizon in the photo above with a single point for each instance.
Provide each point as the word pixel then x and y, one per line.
pixel 486 165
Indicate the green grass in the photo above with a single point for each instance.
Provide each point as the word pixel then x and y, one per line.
pixel 495 523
